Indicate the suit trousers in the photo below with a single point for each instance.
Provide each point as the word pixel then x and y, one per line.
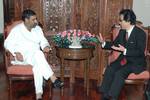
pixel 114 79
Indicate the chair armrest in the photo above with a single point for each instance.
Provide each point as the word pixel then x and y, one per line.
pixel 47 55
pixel 8 58
pixel 148 61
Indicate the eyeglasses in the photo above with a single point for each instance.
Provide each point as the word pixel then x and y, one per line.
pixel 121 20
pixel 117 26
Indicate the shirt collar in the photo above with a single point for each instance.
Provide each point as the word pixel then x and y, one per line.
pixel 130 30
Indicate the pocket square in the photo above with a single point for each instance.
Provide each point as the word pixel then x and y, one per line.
pixel 131 42
pixel 123 61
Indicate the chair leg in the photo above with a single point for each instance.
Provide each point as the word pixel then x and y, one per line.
pixel 134 92
pixel 50 88
pixel 123 94
pixel 10 90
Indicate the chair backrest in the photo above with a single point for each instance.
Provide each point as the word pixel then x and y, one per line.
pixel 8 27
pixel 114 32
pixel 146 31
pixel 8 56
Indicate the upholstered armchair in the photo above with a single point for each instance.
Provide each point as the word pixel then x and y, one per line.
pixel 18 72
pixel 137 80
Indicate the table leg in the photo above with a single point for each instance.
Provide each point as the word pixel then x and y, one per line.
pixel 87 76
pixel 62 70
pixel 72 71
pixel 62 67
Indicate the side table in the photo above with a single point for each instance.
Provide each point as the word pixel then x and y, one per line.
pixel 75 54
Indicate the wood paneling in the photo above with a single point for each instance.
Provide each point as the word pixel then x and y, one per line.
pixel 20 5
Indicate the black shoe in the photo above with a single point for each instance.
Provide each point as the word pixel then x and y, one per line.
pixel 58 84
pixel 113 99
pixel 104 97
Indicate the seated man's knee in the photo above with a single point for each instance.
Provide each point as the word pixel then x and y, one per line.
pixel 109 71
pixel 121 74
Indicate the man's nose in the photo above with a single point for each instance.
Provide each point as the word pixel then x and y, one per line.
pixel 36 21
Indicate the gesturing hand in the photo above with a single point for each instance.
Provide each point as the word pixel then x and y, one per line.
pixel 47 49
pixel 100 38
pixel 119 48
pixel 19 56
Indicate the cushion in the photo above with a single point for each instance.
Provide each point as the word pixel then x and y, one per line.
pixel 20 70
pixel 142 75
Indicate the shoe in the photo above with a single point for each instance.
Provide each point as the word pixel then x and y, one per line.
pixel 104 97
pixel 112 98
pixel 39 96
pixel 58 83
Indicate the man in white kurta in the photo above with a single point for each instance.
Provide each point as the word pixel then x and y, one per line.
pixel 27 39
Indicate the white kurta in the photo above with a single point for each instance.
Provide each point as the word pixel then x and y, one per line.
pixel 28 43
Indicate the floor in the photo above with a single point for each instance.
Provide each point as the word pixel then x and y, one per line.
pixel 24 90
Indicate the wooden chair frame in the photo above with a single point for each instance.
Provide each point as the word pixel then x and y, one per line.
pixel 14 77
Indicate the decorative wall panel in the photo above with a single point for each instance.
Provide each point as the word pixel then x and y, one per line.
pixel 57 15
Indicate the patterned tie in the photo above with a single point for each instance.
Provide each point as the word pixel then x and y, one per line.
pixel 127 36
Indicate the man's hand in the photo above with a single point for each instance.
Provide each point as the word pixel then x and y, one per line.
pixel 47 49
pixel 120 48
pixel 19 56
pixel 100 38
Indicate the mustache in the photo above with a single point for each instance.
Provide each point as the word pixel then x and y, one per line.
pixel 35 24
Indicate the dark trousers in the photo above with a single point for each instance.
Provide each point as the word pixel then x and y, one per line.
pixel 114 79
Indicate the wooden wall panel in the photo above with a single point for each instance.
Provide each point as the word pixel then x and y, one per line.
pixel 86 17
pixel 109 13
pixel 57 15
pixel 19 5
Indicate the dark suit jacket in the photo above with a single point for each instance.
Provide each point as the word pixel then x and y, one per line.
pixel 135 46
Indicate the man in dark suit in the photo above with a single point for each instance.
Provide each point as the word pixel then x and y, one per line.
pixel 131 42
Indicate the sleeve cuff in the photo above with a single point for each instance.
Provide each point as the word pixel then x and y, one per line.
pixel 103 44
pixel 125 52
pixel 45 45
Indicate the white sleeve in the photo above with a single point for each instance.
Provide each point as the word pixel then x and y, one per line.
pixel 103 44
pixel 11 41
pixel 43 41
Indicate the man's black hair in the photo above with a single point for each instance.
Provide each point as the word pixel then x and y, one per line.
pixel 27 14
pixel 128 16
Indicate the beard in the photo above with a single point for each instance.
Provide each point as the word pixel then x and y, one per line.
pixel 34 25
